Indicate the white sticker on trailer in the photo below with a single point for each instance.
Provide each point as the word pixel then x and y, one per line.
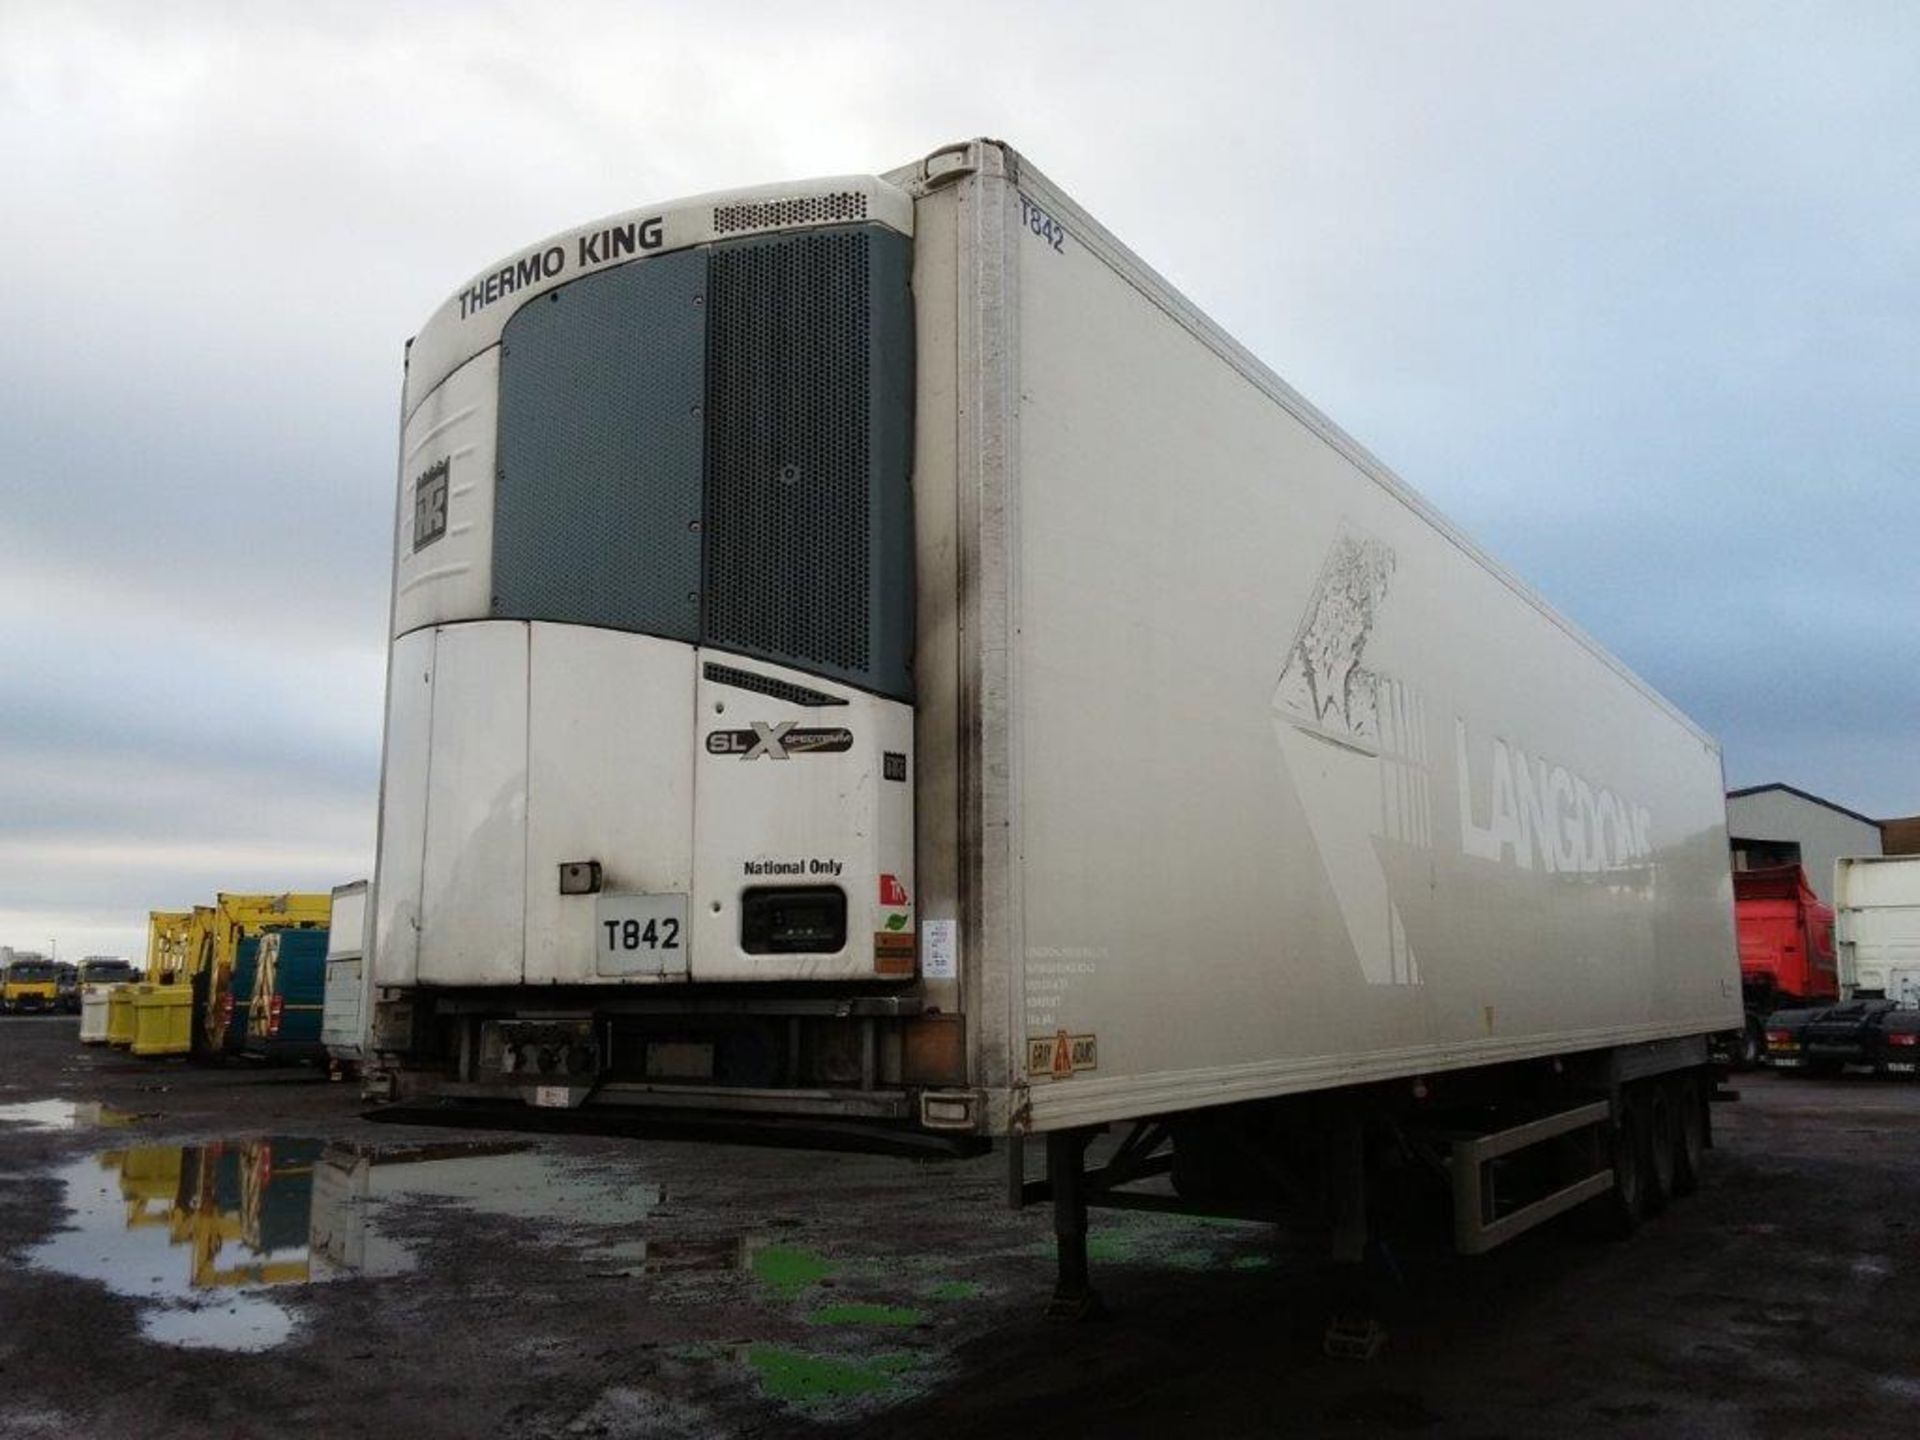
pixel 940 949
pixel 640 934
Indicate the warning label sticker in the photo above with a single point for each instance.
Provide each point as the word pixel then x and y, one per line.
pixel 1060 1054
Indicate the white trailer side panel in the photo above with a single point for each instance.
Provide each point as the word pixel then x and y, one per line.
pixel 403 806
pixel 344 1009
pixel 1303 790
pixel 347 921
pixel 600 791
pixel 473 879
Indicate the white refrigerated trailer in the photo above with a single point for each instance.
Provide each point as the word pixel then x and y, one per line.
pixel 1876 907
pixel 869 649
pixel 343 1017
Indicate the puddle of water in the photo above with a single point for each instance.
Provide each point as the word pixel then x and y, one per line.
pixel 199 1231
pixel 246 1322
pixel 168 1224
pixel 803 1379
pixel 64 1115
pixel 506 1180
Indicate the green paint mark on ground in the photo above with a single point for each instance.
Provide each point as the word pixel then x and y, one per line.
pixel 1190 1259
pixel 1252 1262
pixel 787 1270
pixel 804 1379
pixel 866 1315
pixel 1110 1247
pixel 956 1290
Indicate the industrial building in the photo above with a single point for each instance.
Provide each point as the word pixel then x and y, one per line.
pixel 1780 825
pixel 1901 836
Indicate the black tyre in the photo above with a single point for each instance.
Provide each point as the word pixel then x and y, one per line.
pixel 1662 1140
pixel 1690 1134
pixel 1618 1213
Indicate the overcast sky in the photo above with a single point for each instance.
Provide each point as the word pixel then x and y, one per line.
pixel 1629 291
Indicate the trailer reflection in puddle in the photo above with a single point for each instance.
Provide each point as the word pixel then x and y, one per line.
pixel 201 1232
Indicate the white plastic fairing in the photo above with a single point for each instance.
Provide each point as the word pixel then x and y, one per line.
pixel 610 778
pixel 446 492
pixel 517 747
pixel 797 796
pixel 403 807
pixel 473 886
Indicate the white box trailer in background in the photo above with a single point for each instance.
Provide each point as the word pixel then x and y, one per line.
pixel 870 649
pixel 1876 927
pixel 343 1019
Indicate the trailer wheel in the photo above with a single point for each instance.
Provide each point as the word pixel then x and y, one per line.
pixel 1662 1142
pixel 1618 1213
pixel 1690 1136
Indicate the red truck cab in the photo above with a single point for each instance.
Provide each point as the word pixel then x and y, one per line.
pixel 1787 956
pixel 1786 936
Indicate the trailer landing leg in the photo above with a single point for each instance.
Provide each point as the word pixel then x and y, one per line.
pixel 1073 1297
pixel 1354 1331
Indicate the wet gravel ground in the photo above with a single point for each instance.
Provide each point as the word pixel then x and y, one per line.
pixel 238 1253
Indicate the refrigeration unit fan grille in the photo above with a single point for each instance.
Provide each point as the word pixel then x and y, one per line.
pixel 788 504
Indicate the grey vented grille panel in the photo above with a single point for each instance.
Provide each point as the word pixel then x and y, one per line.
pixel 802 210
pixel 598 499
pixel 809 408
pixel 767 685
pixel 808 512
pixel 713 445
pixel 788 473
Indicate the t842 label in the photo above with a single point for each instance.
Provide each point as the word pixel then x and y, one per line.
pixel 640 934
pixel 1050 231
